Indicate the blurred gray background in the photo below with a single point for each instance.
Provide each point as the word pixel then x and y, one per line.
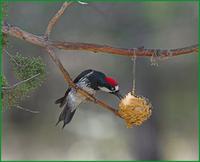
pixel 96 134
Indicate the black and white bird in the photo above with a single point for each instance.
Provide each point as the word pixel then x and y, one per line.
pixel 91 81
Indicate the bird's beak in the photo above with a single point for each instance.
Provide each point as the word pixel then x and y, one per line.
pixel 118 95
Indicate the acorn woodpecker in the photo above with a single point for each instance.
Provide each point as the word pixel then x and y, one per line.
pixel 91 81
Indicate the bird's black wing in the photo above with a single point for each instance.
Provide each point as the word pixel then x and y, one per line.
pixel 66 115
pixel 81 75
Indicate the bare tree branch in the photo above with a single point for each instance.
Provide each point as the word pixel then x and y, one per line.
pixel 53 21
pixel 19 83
pixel 42 42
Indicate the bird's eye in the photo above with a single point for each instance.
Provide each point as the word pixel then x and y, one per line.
pixel 112 88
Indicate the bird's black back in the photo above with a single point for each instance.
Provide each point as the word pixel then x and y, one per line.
pixel 96 78
pixel 82 74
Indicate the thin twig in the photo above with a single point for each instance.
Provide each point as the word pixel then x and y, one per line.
pixel 55 18
pixel 19 83
pixel 42 42
pixel 28 110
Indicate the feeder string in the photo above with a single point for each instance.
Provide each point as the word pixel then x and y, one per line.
pixel 133 71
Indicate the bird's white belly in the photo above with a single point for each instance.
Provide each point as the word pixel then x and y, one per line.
pixel 74 99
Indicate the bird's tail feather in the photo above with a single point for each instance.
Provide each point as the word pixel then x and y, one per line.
pixel 61 101
pixel 66 115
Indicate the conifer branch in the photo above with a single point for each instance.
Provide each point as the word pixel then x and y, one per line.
pixel 19 83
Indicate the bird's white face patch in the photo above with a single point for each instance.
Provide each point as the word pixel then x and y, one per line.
pixel 108 90
pixel 117 88
pixel 105 89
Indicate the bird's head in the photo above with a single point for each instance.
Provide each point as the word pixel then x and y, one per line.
pixel 110 85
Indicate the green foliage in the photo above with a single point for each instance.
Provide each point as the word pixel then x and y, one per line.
pixel 31 68
pixel 4 81
pixel 24 68
pixel 11 97
pixel 27 67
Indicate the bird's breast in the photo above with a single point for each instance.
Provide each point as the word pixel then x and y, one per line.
pixel 74 99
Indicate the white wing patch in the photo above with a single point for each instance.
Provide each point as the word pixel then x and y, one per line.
pixel 85 77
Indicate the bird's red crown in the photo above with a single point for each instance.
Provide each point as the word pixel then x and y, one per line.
pixel 111 81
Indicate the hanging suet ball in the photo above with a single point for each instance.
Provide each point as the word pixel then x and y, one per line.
pixel 134 110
